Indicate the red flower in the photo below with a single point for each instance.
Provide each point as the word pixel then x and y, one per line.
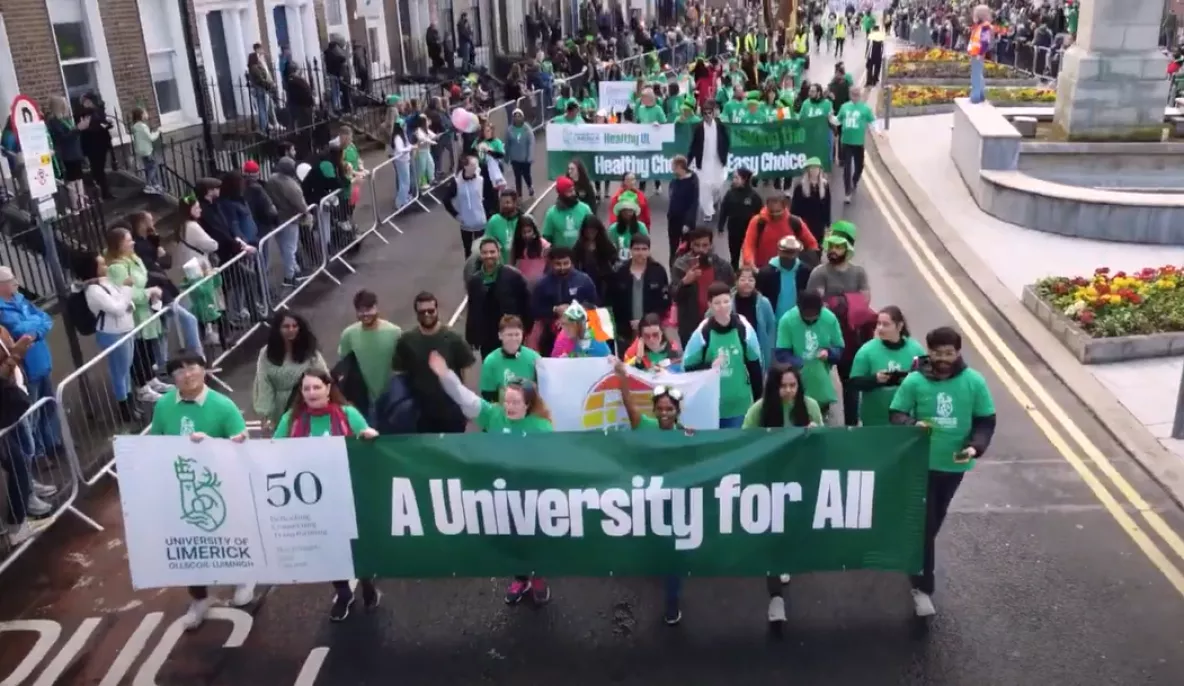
pixel 1102 270
pixel 1103 289
pixel 1135 298
pixel 1120 275
pixel 1086 317
pixel 1080 281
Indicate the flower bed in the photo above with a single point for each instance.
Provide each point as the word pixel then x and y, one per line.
pixel 1108 305
pixel 928 55
pixel 921 96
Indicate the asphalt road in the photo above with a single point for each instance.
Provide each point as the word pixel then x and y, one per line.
pixel 1039 583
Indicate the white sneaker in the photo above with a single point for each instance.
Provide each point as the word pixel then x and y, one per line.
pixel 19 534
pixel 44 490
pixel 776 609
pixel 196 614
pixel 38 507
pixel 243 595
pixel 923 604
pixel 160 386
pixel 145 394
pixel 785 578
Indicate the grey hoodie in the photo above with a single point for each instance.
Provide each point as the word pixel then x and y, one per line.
pixel 284 189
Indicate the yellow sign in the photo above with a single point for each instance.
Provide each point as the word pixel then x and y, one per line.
pixel 47 159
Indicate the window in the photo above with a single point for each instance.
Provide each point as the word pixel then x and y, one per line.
pixel 75 50
pixel 334 14
pixel 164 81
pixel 159 43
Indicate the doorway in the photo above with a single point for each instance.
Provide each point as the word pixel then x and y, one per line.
pixel 223 74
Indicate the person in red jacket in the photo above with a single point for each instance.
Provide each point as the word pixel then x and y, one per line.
pixel 629 185
pixel 766 230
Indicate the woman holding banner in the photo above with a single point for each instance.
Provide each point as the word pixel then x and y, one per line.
pixel 319 409
pixel 520 412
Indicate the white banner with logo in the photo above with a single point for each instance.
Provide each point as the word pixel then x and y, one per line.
pixel 617 96
pixel 608 137
pixel 584 394
pixel 219 512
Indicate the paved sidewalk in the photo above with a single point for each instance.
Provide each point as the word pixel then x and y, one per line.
pixel 1019 257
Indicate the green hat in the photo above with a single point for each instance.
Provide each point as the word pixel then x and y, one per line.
pixel 627 201
pixel 392 100
pixel 844 229
pixel 815 162
pixel 575 312
pixel 754 98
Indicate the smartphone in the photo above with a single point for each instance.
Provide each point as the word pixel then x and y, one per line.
pixel 704 261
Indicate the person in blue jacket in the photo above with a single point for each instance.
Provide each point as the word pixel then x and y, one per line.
pixel 22 318
pixel 757 311
pixel 556 291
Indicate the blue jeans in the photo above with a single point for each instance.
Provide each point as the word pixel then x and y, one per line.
pixel 47 434
pixel 262 108
pixel 119 362
pixel 978 81
pixel 730 422
pixel 335 92
pixel 402 182
pixel 151 172
pixel 289 240
pixel 190 333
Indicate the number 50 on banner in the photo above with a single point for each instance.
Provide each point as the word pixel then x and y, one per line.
pixel 304 483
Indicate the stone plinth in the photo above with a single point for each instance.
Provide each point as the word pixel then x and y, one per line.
pixel 1111 83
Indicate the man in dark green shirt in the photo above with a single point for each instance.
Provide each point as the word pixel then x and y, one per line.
pixel 437 412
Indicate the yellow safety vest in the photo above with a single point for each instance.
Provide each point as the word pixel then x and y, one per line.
pixel 840 30
pixel 799 43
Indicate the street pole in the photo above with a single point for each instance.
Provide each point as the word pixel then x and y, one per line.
pixel 199 92
pixel 60 284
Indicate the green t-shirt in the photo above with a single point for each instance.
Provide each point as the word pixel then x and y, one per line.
pixel 854 118
pixel 689 119
pixel 492 419
pixel 733 109
pixel 212 414
pixel 649 114
pixel 948 406
pixel 322 424
pixel 562 119
pixel 373 349
pixel 873 357
pixel 498 369
pixel 502 230
pixel 561 227
pixel 762 115
pixel 647 423
pixel 811 110
pixel 625 239
pixel 752 418
pixel 735 391
pixel 806 340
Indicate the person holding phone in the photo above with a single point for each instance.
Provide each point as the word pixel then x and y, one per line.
pixel 881 364
pixel 953 403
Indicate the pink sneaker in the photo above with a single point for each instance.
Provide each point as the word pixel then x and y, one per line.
pixel 540 592
pixel 517 590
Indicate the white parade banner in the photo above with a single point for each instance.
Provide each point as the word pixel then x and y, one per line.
pixel 608 137
pixel 219 512
pixel 583 394
pixel 617 96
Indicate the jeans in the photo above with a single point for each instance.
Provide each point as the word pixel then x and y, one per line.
pixel 402 182
pixel 978 81
pixel 15 461
pixel 939 493
pixel 46 432
pixel 521 174
pixel 262 108
pixel 151 172
pixel 673 592
pixel 119 362
pixel 288 240
pixel 730 422
pixel 335 92
pixel 190 331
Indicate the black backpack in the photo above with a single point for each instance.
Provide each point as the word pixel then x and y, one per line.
pixel 78 310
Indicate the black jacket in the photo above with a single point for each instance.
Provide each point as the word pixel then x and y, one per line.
pixel 507 294
pixel 812 204
pixel 684 203
pixel 348 377
pixel 214 223
pixel 14 403
pixel 737 209
pixel 655 295
pixel 722 144
pixel 768 281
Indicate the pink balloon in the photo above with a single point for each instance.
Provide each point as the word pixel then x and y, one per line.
pixel 465 121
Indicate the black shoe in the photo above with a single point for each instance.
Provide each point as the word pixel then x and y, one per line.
pixel 129 411
pixel 371 596
pixel 341 606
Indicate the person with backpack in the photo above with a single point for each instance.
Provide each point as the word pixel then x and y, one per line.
pixel 768 227
pixel 105 310
pixel 727 342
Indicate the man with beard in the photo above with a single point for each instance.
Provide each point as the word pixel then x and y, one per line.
pixel 495 291
pixel 371 341
pixel 709 154
pixel 953 403
pixel 692 275
pixel 502 226
pixel 562 223
pixel 437 412
pixel 556 291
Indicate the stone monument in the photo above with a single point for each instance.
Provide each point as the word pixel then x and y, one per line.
pixel 1111 84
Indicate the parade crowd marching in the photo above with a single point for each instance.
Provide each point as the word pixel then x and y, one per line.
pixel 786 317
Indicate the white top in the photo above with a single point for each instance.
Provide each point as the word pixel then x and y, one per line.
pixel 195 243
pixel 400 149
pixel 111 305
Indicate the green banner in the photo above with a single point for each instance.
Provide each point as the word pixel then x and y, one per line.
pixel 716 503
pixel 774 150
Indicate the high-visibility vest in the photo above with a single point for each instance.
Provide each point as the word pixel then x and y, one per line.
pixel 841 30
pixel 799 43
pixel 975 45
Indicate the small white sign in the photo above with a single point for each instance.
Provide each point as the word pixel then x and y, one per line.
pixel 608 137
pixel 36 150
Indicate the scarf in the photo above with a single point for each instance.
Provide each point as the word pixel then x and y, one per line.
pixel 338 424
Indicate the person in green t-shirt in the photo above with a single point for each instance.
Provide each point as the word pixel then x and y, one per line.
pixel 756 112
pixel 321 410
pixel 648 111
pixel 622 231
pixel 881 364
pixel 563 220
pixel 735 105
pixel 783 403
pixel 809 338
pixel 502 226
pixel 355 171
pixel 511 363
pixel 667 407
pixel 853 119
pixel 728 343
pixel 372 341
pixel 952 402
pixel 193 409
pixel 571 114
pixel 520 412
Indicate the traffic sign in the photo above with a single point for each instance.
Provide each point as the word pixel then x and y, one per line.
pixel 36 149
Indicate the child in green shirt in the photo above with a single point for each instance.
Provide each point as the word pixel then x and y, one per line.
pixel 809 338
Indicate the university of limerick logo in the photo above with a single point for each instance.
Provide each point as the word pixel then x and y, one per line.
pixel 202 504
